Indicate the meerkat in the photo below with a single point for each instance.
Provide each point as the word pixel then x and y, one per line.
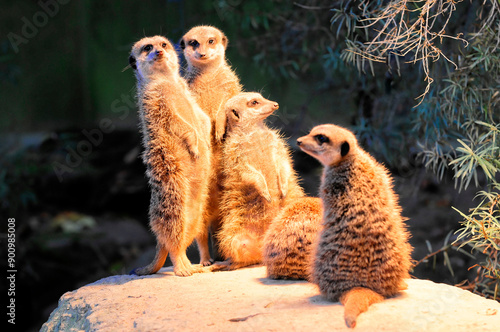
pixel 177 154
pixel 212 82
pixel 209 76
pixel 362 254
pixel 258 178
pixel 289 239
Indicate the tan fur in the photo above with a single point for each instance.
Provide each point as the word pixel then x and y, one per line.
pixel 288 241
pixel 258 178
pixel 177 153
pixel 356 301
pixel 363 247
pixel 212 82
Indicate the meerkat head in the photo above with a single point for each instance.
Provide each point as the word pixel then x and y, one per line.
pixel 329 144
pixel 247 109
pixel 153 57
pixel 203 45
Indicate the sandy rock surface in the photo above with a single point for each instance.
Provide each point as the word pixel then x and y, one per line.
pixel 245 300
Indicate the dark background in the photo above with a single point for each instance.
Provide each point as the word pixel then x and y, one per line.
pixel 71 174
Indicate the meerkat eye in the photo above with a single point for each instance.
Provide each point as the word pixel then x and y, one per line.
pixel 253 103
pixel 193 43
pixel 321 139
pixel 211 41
pixel 164 45
pixel 148 48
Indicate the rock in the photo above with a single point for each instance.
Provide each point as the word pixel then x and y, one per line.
pixel 245 300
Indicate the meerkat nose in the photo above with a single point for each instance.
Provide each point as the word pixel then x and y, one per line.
pixel 299 142
pixel 276 106
pixel 159 52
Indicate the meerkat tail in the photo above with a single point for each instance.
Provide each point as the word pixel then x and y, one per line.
pixel 357 301
pixel 155 265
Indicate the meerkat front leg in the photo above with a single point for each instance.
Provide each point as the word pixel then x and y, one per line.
pixel 284 173
pixel 187 132
pixel 219 123
pixel 257 179
pixel 191 141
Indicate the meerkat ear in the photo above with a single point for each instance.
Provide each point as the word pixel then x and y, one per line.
pixel 182 44
pixel 132 62
pixel 344 149
pixel 235 115
pixel 224 40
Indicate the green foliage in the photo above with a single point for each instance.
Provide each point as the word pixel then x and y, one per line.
pixel 481 231
pixel 457 118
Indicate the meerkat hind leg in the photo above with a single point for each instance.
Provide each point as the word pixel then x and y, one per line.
pixel 202 241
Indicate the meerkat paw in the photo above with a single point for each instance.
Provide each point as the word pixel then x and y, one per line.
pixel 191 142
pixel 283 190
pixel 220 131
pixel 193 151
pixel 266 195
pixel 207 262
pixel 183 272
pixel 182 266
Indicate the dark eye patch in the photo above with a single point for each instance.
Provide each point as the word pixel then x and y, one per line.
pixel 147 48
pixel 320 138
pixel 193 43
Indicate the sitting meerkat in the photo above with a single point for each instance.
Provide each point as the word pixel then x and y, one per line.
pixel 362 254
pixel 177 154
pixel 258 178
pixel 289 240
pixel 212 82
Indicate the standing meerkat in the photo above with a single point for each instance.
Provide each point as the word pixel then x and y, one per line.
pixel 258 178
pixel 212 82
pixel 177 154
pixel 289 240
pixel 210 78
pixel 362 254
